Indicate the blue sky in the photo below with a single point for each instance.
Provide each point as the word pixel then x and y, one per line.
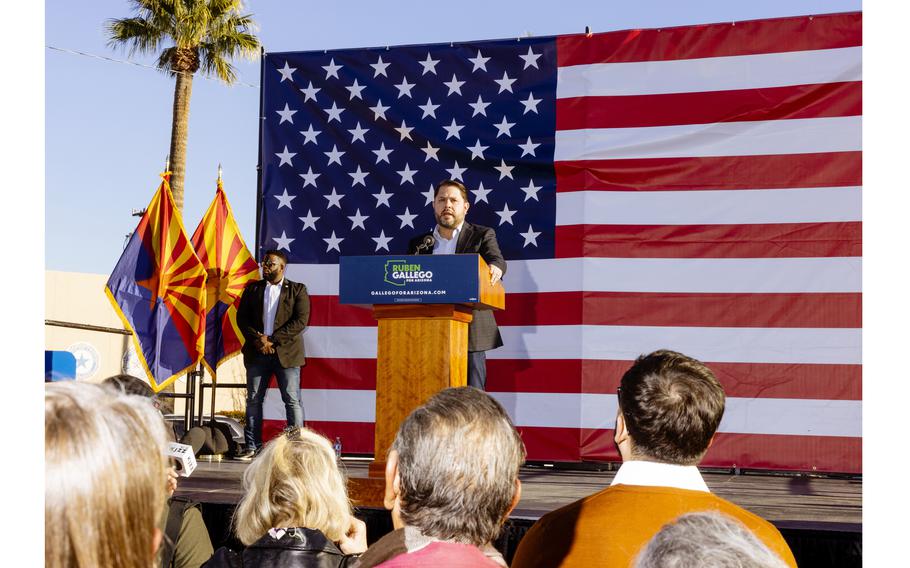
pixel 107 125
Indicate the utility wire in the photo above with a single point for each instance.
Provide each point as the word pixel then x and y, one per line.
pixel 127 62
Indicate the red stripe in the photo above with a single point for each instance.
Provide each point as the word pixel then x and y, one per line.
pixel 776 35
pixel 771 240
pixel 683 310
pixel 325 310
pixel 828 169
pixel 741 380
pixel 798 101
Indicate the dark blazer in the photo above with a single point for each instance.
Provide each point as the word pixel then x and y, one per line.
pixel 295 548
pixel 291 319
pixel 483 334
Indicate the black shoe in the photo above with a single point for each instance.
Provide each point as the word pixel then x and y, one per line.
pixel 245 455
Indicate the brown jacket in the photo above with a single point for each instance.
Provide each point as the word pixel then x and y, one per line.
pixel 290 320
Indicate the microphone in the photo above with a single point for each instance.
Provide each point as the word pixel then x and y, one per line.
pixel 428 242
pixel 184 460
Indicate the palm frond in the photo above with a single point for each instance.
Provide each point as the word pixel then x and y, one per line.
pixel 213 63
pixel 166 59
pixel 137 34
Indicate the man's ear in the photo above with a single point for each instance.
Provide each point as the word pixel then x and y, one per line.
pixel 515 499
pixel 621 434
pixel 392 481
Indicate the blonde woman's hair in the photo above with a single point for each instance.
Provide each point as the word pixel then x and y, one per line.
pixel 105 477
pixel 294 482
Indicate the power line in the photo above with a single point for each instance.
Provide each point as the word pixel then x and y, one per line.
pixel 127 62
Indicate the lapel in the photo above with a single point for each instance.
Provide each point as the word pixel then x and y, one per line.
pixel 281 314
pixel 464 237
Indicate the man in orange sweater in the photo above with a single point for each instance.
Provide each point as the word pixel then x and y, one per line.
pixel 670 406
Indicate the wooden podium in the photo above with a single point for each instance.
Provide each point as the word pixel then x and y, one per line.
pixel 423 314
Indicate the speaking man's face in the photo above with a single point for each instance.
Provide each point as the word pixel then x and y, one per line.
pixel 450 207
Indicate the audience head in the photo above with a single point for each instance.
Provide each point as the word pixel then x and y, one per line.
pixel 105 477
pixel 294 482
pixel 453 468
pixel 710 540
pixel 670 406
pixel 128 384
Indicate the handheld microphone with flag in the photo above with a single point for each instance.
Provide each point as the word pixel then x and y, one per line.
pixel 184 459
pixel 428 242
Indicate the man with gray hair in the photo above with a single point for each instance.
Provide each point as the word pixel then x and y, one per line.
pixel 707 539
pixel 451 481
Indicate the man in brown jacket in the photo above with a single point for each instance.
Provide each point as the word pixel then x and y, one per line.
pixel 670 406
pixel 272 314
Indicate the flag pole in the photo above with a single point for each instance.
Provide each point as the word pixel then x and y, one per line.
pixel 215 366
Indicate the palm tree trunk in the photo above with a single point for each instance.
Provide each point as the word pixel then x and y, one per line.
pixel 183 89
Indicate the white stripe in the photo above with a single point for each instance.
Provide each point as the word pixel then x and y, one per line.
pixel 710 74
pixel 752 206
pixel 607 342
pixel 700 275
pixel 755 138
pixel 793 417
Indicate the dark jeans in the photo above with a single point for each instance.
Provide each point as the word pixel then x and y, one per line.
pixel 477 369
pixel 258 373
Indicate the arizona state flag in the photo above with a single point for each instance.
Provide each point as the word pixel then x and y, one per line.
pixel 158 290
pixel 229 267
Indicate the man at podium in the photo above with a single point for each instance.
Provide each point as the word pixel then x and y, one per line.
pixel 453 235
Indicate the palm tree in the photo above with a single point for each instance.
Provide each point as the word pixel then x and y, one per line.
pixel 206 35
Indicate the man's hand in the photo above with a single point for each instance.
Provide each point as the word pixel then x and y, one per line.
pixel 495 274
pixel 355 541
pixel 264 345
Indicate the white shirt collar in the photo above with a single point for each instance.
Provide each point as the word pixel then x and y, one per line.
pixel 654 474
pixel 280 282
pixel 455 232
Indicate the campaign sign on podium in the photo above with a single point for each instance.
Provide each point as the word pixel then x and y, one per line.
pixel 409 279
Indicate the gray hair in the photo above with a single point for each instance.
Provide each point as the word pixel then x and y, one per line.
pixel 459 457
pixel 707 539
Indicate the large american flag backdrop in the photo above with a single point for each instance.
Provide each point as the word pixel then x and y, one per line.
pixel 694 188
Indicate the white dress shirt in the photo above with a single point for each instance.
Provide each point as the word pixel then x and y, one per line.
pixel 444 245
pixel 654 474
pixel 270 306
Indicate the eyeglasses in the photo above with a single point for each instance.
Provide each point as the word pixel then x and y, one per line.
pixel 272 264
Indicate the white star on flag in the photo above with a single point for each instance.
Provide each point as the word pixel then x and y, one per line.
pixel 331 70
pixel 505 216
pixel 358 177
pixel 286 157
pixel 284 200
pixel 479 107
pixel 283 242
pixel 429 194
pixel 357 220
pixel 455 172
pixel 286 115
pixel 531 59
pixel 382 241
pixel 334 112
pixel 454 85
pixel 528 148
pixel 530 236
pixel 505 84
pixel 407 219
pixel 530 104
pixel 407 174
pixel 355 90
pixel 309 135
pixel 309 178
pixel 334 156
pixel 428 109
pixel 287 72
pixel 310 92
pixel 379 68
pixel 504 170
pixel 504 127
pixel 477 150
pixel 405 131
pixel 531 190
pixel 404 88
pixel 431 152
pixel 382 198
pixel 334 199
pixel 357 133
pixel 480 194
pixel 480 62
pixel 379 110
pixel 309 222
pixel 453 130
pixel 429 65
pixel 382 154
pixel 333 242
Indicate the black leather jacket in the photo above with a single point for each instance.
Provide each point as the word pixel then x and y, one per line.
pixel 284 548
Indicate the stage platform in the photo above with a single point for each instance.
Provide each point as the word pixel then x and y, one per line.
pixel 820 517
